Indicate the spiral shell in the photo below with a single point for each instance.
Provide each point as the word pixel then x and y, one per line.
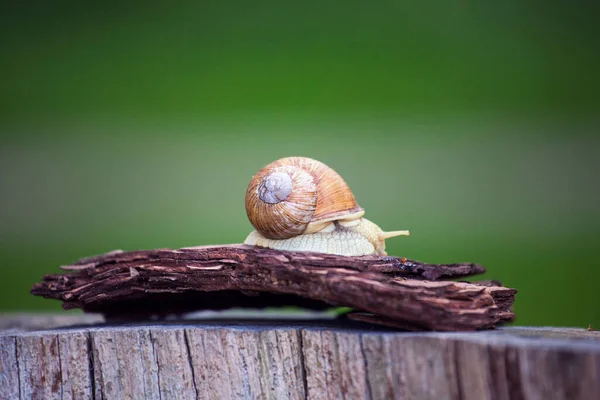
pixel 297 195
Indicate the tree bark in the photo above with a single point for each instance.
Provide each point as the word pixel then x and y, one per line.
pixel 387 290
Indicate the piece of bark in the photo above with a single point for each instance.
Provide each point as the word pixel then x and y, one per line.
pixel 285 360
pixel 218 277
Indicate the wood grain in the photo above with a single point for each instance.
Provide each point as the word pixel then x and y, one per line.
pixel 296 360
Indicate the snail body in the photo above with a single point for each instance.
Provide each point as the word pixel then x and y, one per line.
pixel 301 204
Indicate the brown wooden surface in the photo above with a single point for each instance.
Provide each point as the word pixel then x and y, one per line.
pixel 387 290
pixel 286 359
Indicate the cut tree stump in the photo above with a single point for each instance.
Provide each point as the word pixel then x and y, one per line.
pixel 261 359
pixel 390 291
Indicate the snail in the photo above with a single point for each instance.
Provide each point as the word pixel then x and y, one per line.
pixel 301 204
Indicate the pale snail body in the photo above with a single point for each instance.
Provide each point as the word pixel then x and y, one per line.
pixel 300 204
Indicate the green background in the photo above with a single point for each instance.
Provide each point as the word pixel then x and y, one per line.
pixel 135 125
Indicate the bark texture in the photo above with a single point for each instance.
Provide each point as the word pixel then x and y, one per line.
pixel 296 360
pixel 387 290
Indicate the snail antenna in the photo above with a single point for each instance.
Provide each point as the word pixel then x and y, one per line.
pixel 387 235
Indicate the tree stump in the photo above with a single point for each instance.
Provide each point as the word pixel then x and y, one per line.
pixel 287 359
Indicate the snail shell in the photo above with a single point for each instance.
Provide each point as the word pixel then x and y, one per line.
pixel 301 204
pixel 298 195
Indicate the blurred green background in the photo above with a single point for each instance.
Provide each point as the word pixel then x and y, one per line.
pixel 135 125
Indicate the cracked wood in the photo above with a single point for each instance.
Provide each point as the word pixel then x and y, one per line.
pixel 296 360
pixel 386 290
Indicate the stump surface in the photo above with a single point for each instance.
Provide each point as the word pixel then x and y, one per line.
pixel 245 359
